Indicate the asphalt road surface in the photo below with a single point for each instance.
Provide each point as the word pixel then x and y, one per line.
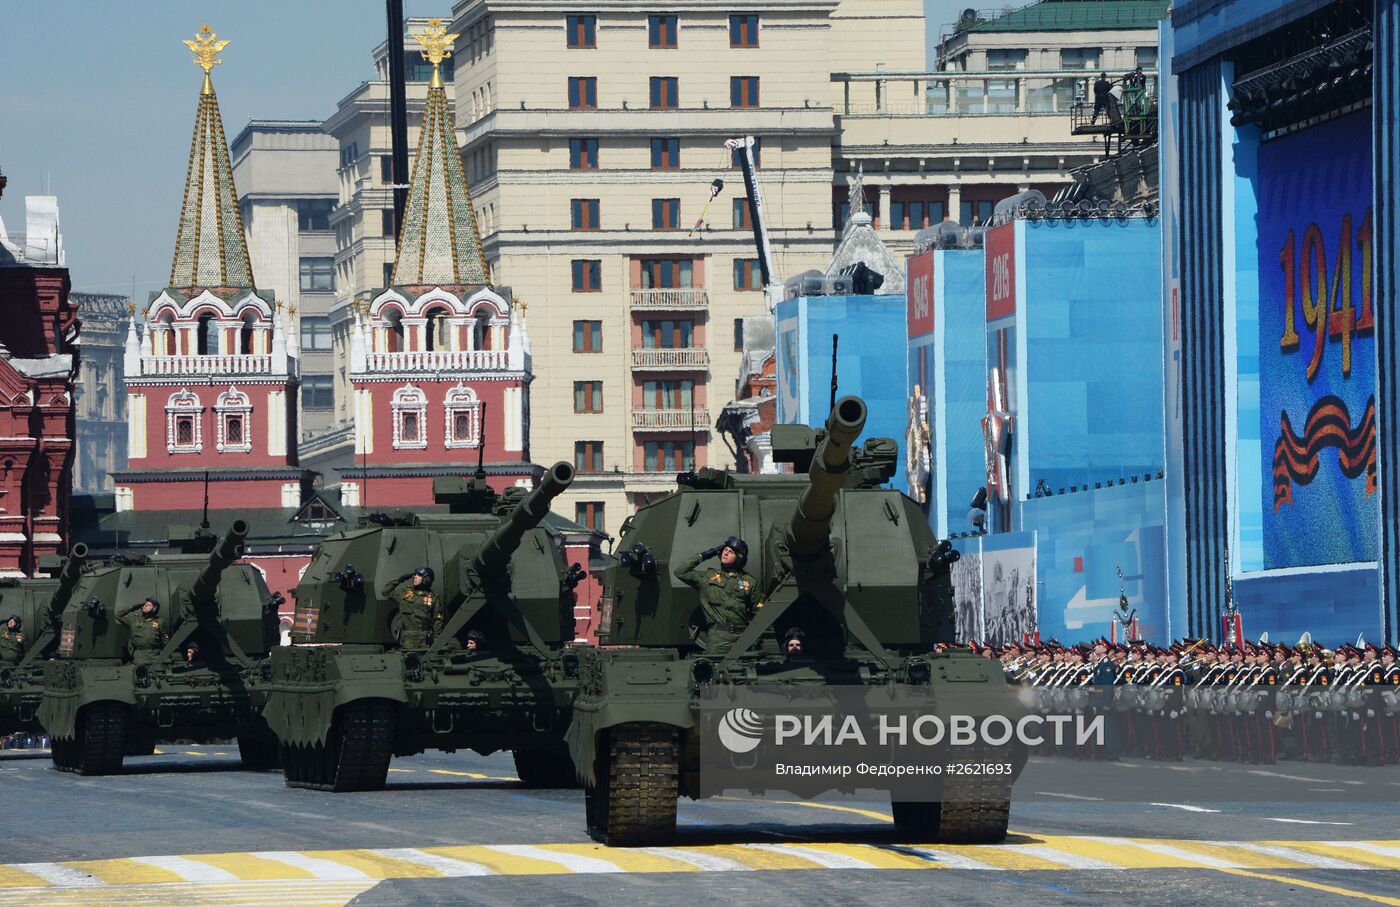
pixel 188 826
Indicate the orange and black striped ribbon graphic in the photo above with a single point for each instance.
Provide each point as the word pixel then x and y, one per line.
pixel 1328 425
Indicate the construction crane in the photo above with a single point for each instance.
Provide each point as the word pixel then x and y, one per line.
pixel 743 148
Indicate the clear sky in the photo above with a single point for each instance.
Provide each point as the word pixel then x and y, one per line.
pixel 97 105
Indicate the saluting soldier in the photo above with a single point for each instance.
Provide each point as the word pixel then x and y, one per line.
pixel 12 643
pixel 728 596
pixel 420 614
pixel 145 633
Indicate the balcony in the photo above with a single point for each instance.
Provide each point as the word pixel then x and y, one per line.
pixel 678 420
pixel 680 359
pixel 206 365
pixel 669 300
pixel 439 361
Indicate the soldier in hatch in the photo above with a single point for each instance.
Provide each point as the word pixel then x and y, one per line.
pixel 147 636
pixel 420 614
pixel 728 596
pixel 12 642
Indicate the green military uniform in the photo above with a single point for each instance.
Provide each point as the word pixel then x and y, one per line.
pixel 420 614
pixel 12 647
pixel 728 599
pixel 146 634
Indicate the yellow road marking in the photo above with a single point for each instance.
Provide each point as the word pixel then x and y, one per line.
pixel 14 878
pixel 755 858
pixel 195 753
pixel 1316 886
pixel 1349 854
pixel 1249 859
pixel 448 771
pixel 404 771
pixel 1001 858
pixel 629 860
pixel 124 872
pixel 868 813
pixel 501 863
pixel 1094 850
pixel 882 858
pixel 251 868
pixel 376 865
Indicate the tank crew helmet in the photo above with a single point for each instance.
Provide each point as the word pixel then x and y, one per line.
pixel 155 605
pixel 739 547
pixel 794 633
pixel 426 573
pixel 13 622
pixel 192 649
pixel 476 636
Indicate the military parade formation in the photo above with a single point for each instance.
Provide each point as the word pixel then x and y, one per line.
pixel 1239 702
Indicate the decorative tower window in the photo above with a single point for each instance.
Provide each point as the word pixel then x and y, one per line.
pixel 463 418
pixel 410 406
pixel 234 421
pixel 184 419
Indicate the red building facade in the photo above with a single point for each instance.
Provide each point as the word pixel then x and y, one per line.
pixel 38 370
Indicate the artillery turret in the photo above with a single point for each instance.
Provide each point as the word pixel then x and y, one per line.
pixel 847 566
pixel 491 674
pixel 38 603
pixel 106 697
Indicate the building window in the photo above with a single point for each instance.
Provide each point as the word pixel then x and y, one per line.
pixel 667 334
pixel 589 514
pixel 743 30
pixel 747 274
pixel 349 154
pixel 665 93
pixel 915 215
pixel 317 274
pixel 1079 58
pixel 386 169
pixel 418 69
pixel 583 214
pixel 463 421
pixel 587 275
pixel 410 408
pixel 665 154
pixel 317 392
pixel 743 91
pixel 314 214
pixel 588 456
pixel 668 273
pixel 386 223
pixel 582 31
pixel 673 395
pixel 234 415
pixel 666 214
pixel 738 334
pixel 388 273
pixel 1146 57
pixel 976 212
pixel 184 421
pixel 736 157
pixel 583 154
pixel 588 396
pixel 661 32
pixel 316 333
pixel 583 93
pixel 588 336
pixel 743 215
pixel 668 456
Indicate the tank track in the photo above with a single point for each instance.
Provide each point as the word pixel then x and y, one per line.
pixel 638 774
pixel 977 813
pixel 98 745
pixel 355 757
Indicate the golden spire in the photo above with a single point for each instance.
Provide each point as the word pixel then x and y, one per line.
pixel 437 46
pixel 206 48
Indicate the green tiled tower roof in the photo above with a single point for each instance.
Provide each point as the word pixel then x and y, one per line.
pixel 439 244
pixel 210 250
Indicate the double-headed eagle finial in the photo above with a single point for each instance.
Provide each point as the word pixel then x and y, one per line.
pixel 206 48
pixel 437 46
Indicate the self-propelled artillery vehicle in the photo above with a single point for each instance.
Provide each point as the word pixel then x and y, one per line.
pixel 38 603
pixel 853 566
pixel 364 681
pixel 107 697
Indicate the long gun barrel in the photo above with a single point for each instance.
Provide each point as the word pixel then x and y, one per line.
pixel 226 551
pixel 494 556
pixel 68 578
pixel 811 523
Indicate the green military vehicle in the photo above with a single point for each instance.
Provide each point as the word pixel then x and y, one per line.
pixel 472 656
pixel 38 603
pixel 848 569
pixel 122 682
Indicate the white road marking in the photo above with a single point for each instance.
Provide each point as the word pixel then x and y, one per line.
pixel 1050 793
pixel 1303 821
pixel 822 858
pixel 189 870
pixel 162 894
pixel 1051 855
pixel 1265 774
pixel 943 858
pixel 697 858
pixel 448 866
pixel 1367 846
pixel 59 875
pixel 1168 851
pixel 573 862
pixel 1189 809
pixel 1288 853
pixel 322 870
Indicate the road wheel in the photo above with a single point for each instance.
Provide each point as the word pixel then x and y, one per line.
pixel 551 767
pixel 638 783
pixel 101 738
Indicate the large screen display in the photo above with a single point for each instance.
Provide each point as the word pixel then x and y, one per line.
pixel 1317 351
